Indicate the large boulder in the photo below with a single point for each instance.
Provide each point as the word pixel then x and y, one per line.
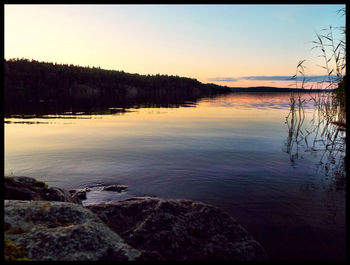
pixel 26 188
pixel 62 231
pixel 179 230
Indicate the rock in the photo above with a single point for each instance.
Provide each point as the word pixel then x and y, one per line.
pixel 118 188
pixel 58 194
pixel 25 188
pixel 21 188
pixel 53 226
pixel 95 185
pixel 79 193
pixel 178 230
pixel 62 231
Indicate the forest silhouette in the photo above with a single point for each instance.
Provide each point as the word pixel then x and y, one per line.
pixel 30 85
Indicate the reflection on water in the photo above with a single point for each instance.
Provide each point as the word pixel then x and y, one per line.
pixel 115 105
pixel 325 133
pixel 228 151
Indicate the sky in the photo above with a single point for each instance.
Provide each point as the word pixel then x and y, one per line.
pixel 233 45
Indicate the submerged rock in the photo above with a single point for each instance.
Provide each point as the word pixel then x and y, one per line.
pixel 118 188
pixel 62 231
pixel 95 185
pixel 179 230
pixel 26 188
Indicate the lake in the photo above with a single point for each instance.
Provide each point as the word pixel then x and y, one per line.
pixel 232 151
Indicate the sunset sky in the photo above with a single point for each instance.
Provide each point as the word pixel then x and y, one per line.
pixel 233 45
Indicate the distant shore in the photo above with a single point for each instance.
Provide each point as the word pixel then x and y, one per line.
pixel 277 89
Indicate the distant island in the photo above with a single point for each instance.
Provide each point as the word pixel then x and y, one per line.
pixel 31 84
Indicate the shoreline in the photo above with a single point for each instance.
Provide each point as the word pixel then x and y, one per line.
pixel 139 228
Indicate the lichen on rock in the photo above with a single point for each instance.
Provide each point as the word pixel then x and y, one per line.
pixel 12 252
pixel 63 231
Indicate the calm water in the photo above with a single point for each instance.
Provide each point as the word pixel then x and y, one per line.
pixel 229 151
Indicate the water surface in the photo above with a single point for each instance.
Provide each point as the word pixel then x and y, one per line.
pixel 229 151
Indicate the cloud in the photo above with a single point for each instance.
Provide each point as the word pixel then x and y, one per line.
pixel 224 79
pixel 267 78
pixel 310 78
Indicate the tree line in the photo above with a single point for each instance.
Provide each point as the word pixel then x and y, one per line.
pixel 33 81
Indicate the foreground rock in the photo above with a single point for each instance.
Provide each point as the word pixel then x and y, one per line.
pixel 62 231
pixel 179 230
pixel 25 188
pixel 49 223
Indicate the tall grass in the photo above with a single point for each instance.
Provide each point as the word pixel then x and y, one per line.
pixel 326 133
